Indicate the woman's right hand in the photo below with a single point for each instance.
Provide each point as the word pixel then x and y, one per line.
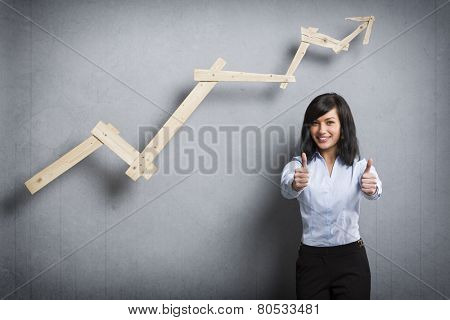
pixel 301 176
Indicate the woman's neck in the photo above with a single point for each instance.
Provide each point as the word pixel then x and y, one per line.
pixel 329 155
pixel 330 158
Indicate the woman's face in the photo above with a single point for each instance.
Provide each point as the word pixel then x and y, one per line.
pixel 326 131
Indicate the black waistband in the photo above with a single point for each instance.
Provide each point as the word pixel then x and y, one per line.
pixel 345 248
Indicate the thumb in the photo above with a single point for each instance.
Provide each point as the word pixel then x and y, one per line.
pixel 304 161
pixel 369 165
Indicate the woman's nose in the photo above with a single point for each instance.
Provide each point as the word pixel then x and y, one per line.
pixel 322 128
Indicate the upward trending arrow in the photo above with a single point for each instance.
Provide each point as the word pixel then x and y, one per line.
pixel 141 164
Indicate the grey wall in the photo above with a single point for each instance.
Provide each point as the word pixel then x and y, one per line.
pixel 95 234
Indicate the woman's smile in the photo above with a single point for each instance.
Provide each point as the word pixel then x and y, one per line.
pixel 322 139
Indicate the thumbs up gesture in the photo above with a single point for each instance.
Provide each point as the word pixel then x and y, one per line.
pixel 369 180
pixel 301 176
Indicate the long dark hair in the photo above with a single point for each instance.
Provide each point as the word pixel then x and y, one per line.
pixel 347 148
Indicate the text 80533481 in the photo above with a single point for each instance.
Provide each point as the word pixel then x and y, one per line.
pixel 288 308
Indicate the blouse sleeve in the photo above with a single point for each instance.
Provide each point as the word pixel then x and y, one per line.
pixel 287 177
pixel 377 194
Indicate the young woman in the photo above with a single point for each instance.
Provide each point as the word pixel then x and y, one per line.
pixel 329 180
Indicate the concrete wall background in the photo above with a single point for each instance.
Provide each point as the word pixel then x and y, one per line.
pixel 95 234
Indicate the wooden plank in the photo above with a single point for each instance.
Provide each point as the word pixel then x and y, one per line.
pixel 149 169
pixel 311 36
pixel 114 129
pixel 323 41
pixel 144 163
pixel 116 143
pixel 310 31
pixel 369 30
pixel 298 55
pixel 327 39
pixel 296 61
pixel 67 161
pixel 209 75
pixel 350 37
pixel 362 19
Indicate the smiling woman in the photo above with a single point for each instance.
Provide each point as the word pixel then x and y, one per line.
pixel 329 181
pixel 329 115
pixel 325 132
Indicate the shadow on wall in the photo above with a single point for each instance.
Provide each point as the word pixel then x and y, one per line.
pixel 114 183
pixel 278 233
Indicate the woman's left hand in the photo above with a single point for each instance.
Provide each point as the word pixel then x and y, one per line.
pixel 369 180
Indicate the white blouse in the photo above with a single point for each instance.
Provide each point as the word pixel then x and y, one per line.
pixel 329 206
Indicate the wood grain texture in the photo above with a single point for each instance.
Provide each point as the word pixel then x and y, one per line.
pixel 67 161
pixel 143 164
pixel 209 75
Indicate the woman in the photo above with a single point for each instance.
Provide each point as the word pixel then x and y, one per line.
pixel 329 180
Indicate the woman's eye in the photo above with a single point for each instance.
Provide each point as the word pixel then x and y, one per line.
pixel 314 124
pixel 330 123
